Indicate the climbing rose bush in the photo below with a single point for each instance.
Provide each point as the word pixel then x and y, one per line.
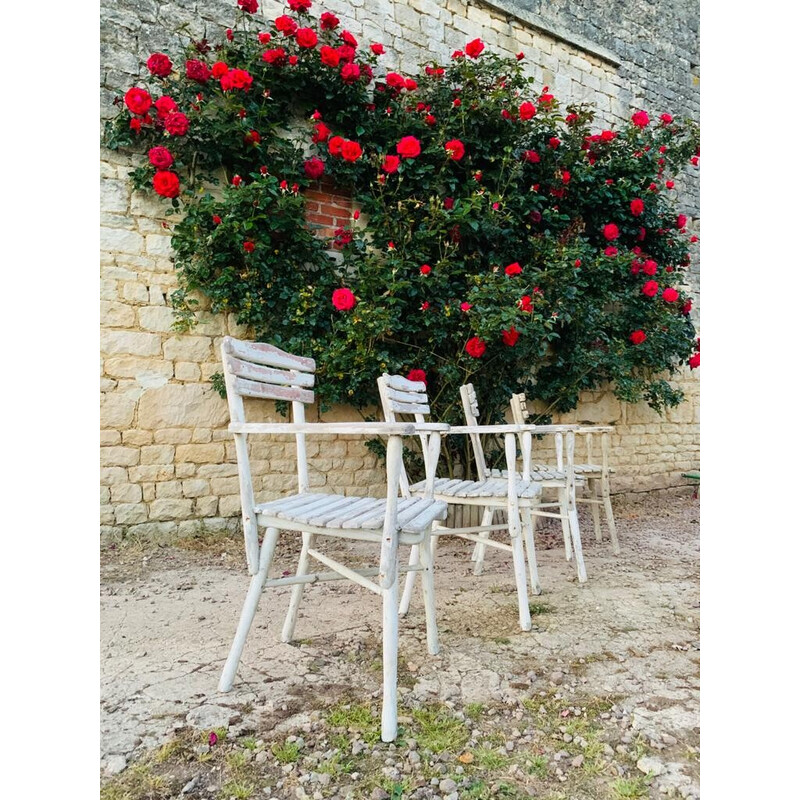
pixel 499 239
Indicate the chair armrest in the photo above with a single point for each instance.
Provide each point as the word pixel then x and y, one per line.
pixel 340 428
pixel 486 429
pixel 595 429
pixel 545 429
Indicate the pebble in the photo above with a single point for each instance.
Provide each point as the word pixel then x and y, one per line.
pixel 668 739
pixel 448 785
pixel 577 761
pixel 650 765
pixel 379 794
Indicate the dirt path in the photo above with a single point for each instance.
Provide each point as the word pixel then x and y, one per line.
pixel 600 700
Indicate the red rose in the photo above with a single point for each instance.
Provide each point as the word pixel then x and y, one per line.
pixel 346 53
pixel 286 25
pixel 666 118
pixel 694 361
pixel 425 306
pixel 526 303
pixel 328 21
pixel 159 64
pixel 650 289
pixel 681 221
pixel 264 37
pixel 138 100
pixel 350 73
pixel 321 133
pixel 165 105
pixel 314 168
pixel 216 219
pixel 219 69
pixel 454 149
pixel 229 34
pixel 640 119
pixel 475 347
pixel 566 176
pixel 329 56
pixel 637 206
pixel 390 164
pixel 513 269
pixel 417 375
pixel 670 184
pixel 236 79
pixel 686 307
pixel 250 6
pixel 343 299
pixel 377 49
pixel 425 269
pixel 348 39
pixel 448 203
pixel 466 307
pixel 335 145
pixel 395 80
pixel 249 247
pixel 610 231
pixel 532 156
pixel 276 57
pixel 554 142
pixel 252 137
pixel 306 37
pixel 510 336
pixel 197 71
pixel 527 110
pixel 300 5
pixel 236 180
pixel 473 50
pixel 166 184
pixel 160 157
pixel 351 151
pixel 637 337
pixel 409 147
pixel 669 295
pixel 177 124
pixel 650 267
pixel 611 251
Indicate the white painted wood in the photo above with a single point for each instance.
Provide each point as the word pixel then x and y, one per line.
pixel 398 396
pixel 390 643
pixel 391 529
pixel 479 552
pixel 428 595
pixel 322 577
pixel 403 384
pixel 410 408
pixel 269 391
pixel 266 354
pixel 595 497
pixel 518 553
pixel 297 590
pixel 528 529
pixel 345 571
pixel 331 428
pixel 256 372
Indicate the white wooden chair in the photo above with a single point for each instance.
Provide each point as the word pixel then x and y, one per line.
pixel 517 495
pixel 262 371
pixel 561 479
pixel 590 472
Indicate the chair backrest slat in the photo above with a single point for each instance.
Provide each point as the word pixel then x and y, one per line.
pixel 469 401
pixel 267 354
pixel 403 384
pixel 269 391
pixel 256 372
pixel 519 409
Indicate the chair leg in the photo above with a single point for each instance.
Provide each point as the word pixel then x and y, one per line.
pixel 408 589
pixel 480 549
pixel 390 637
pixel 576 541
pixel 521 579
pixel 426 557
pixel 564 509
pixel 595 504
pixel 297 590
pixel 528 529
pixel 248 610
pixel 612 527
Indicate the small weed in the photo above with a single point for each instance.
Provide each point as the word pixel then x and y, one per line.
pixel 438 731
pixel 397 790
pixel 502 640
pixel 172 749
pixel 222 734
pixel 286 753
pixel 248 742
pixel 624 788
pixel 338 764
pixel 487 758
pixel 540 608
pixel 136 782
pixel 236 760
pixel 474 710
pixel 358 717
pixel 538 767
pixel 241 790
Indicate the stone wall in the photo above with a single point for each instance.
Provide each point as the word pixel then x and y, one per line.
pixel 168 465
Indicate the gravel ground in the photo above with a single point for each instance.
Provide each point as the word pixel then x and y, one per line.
pixel 600 700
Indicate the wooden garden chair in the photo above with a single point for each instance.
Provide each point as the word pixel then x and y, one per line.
pixel 561 479
pixel 262 371
pixel 590 472
pixel 518 496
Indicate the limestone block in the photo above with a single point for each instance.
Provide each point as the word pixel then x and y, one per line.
pixel 222 486
pixel 200 453
pixel 187 348
pixel 201 436
pixel 605 409
pixel 113 196
pixel 135 292
pixel 116 315
pixel 156 532
pixel 158 245
pixel 129 343
pixel 170 508
pixel 110 437
pixel 105 495
pixel 151 473
pixel 108 289
pixel 156 318
pixel 684 412
pixel 230 506
pixel 126 493
pixel 130 513
pixel 206 506
pixel 195 488
pixel 158 454
pixel 134 367
pixel 156 295
pixel 106 515
pixel 187 371
pixel 118 240
pixel 169 489
pixel 185 470
pixel 182 405
pixel 216 470
pixel 172 436
pixel 110 476
pixel 118 456
pixel 148 492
